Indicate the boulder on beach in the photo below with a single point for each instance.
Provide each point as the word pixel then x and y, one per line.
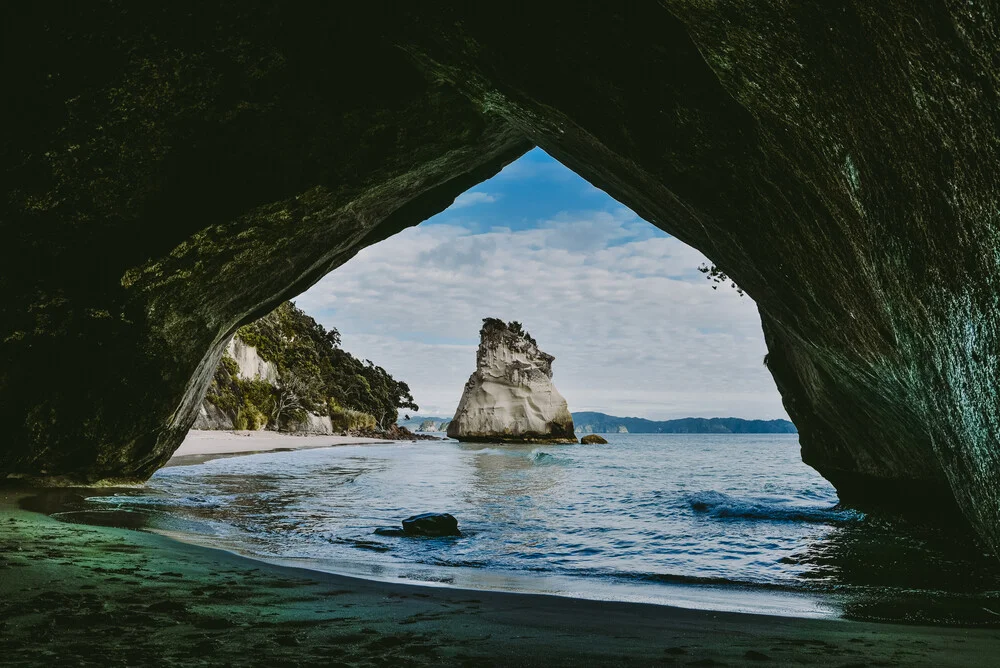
pixel 431 524
pixel 593 439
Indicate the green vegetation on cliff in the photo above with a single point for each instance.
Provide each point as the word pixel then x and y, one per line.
pixel 249 403
pixel 314 375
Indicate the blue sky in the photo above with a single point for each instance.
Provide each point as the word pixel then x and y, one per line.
pixel 534 188
pixel 636 330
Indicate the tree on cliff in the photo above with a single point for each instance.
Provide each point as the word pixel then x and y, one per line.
pixel 314 374
pixel 288 399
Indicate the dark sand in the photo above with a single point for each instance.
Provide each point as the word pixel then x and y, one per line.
pixel 73 594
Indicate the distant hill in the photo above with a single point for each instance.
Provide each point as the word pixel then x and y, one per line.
pixel 601 423
pixel 589 422
pixel 423 422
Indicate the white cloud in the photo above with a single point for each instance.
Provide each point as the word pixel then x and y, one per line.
pixel 472 198
pixel 635 329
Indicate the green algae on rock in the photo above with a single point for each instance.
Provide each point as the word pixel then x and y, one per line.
pixel 173 179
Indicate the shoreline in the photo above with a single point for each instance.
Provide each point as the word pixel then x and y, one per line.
pixel 900 606
pixel 121 596
pixel 200 445
pixel 734 597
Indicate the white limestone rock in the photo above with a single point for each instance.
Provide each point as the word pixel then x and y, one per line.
pixel 312 424
pixel 510 397
pixel 251 365
pixel 210 417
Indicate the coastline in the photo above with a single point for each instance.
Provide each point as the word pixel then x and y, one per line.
pixel 203 445
pixel 118 596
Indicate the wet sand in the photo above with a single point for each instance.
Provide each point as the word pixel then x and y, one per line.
pixel 94 595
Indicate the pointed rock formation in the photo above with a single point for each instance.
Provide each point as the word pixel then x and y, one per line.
pixel 510 397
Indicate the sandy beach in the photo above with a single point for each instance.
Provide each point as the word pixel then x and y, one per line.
pixel 94 595
pixel 200 446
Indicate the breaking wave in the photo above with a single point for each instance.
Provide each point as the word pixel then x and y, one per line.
pixel 717 504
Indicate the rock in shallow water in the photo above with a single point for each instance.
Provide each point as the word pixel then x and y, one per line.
pixel 510 396
pixel 431 524
pixel 593 439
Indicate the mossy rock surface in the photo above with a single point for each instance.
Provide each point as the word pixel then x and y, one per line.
pixel 593 439
pixel 175 177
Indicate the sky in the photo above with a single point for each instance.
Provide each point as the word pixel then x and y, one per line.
pixel 635 328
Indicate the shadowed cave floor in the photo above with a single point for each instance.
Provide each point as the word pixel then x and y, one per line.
pixel 73 594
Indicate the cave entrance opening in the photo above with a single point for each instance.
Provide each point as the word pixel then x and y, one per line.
pixel 639 336
pixel 643 344
pixel 635 327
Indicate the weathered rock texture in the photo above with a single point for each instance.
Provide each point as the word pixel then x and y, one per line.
pixel 510 396
pixel 249 363
pixel 251 366
pixel 174 175
pixel 312 424
pixel 212 418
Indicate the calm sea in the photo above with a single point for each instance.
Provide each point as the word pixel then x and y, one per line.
pixel 719 521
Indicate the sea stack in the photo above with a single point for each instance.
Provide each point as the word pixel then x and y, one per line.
pixel 510 396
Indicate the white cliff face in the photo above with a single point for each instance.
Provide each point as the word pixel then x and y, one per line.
pixel 510 397
pixel 313 424
pixel 251 364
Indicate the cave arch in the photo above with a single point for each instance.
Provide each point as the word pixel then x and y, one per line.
pixel 175 180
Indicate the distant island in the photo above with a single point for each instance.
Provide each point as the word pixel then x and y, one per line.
pixel 589 422
pixel 424 423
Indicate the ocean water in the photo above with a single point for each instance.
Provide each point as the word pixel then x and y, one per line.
pixel 720 521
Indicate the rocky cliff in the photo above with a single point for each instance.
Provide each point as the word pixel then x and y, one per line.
pixel 249 364
pixel 176 175
pixel 510 396
pixel 241 362
pixel 287 372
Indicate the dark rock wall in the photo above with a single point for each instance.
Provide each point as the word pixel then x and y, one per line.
pixel 177 174
pixel 838 163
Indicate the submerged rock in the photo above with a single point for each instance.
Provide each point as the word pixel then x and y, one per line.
pixel 431 524
pixel 593 439
pixel 510 396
